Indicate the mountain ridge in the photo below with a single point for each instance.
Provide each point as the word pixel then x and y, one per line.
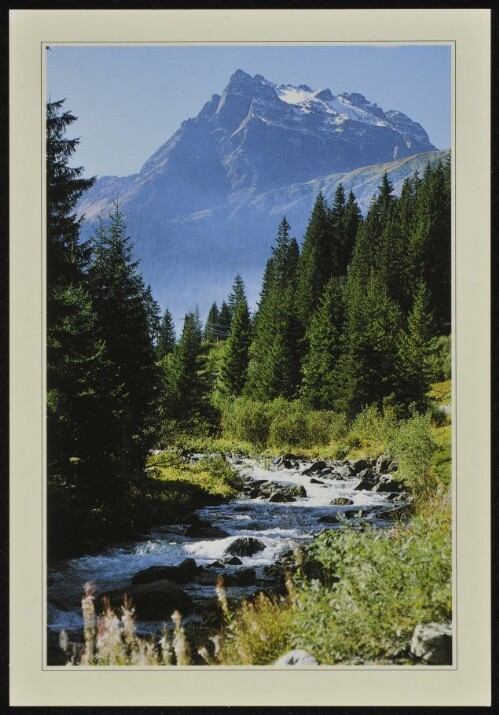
pixel 215 191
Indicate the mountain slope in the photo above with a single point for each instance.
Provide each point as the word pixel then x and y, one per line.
pixel 207 203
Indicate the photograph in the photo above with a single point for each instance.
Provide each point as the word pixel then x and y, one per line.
pixel 249 407
pixel 249 355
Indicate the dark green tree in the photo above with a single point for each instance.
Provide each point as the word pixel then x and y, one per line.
pixel 167 337
pixel 185 389
pixel 319 386
pixel 317 261
pixel 430 241
pixel 212 322
pixel 415 348
pixel 235 360
pixel 274 368
pixel 367 368
pixel 224 320
pixel 123 308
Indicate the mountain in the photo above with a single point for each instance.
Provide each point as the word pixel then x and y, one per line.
pixel 207 203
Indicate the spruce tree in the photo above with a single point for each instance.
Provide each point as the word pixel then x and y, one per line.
pixel 224 320
pixel 211 329
pixel 75 359
pixel 167 338
pixel 274 369
pixel 367 368
pixel 317 263
pixel 184 387
pixel 234 367
pixel 319 386
pixel 415 345
pixel 122 305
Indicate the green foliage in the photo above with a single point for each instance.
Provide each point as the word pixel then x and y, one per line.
pixel 367 368
pixel 211 328
pixel 318 260
pixel 413 446
pixel 440 359
pixel 386 583
pixel 320 377
pixel 274 369
pixel 235 361
pixel 256 633
pixel 167 338
pixel 415 346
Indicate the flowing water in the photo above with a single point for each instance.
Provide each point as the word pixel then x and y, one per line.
pixel 279 526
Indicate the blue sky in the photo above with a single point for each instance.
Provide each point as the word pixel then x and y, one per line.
pixel 130 100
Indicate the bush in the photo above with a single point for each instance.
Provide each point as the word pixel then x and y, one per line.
pixel 413 446
pixel 440 360
pixel 247 420
pixel 387 583
pixel 371 429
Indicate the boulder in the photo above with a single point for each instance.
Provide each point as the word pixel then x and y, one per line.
pixel 245 546
pixel 315 481
pixel 364 485
pixel 233 561
pixel 343 471
pixel 183 573
pixel 359 465
pixel 281 497
pixel 328 519
pixel 341 501
pixel 206 532
pixel 387 485
pixel 242 577
pixel 385 464
pixel 153 601
pixel 296 657
pixel 315 468
pixel 432 643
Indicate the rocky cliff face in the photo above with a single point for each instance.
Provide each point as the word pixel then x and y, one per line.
pixel 207 203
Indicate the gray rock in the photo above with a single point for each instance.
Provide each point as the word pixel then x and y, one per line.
pixel 359 465
pixel 206 532
pixel 385 464
pixel 296 657
pixel 341 501
pixel 233 561
pixel 328 519
pixel 245 546
pixel 183 573
pixel 343 471
pixel 432 643
pixel 387 485
pixel 315 481
pixel 153 601
pixel 281 497
pixel 315 468
pixel 364 485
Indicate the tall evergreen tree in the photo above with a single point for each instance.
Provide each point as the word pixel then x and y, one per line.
pixel 319 386
pixel 236 295
pixel 317 263
pixel 167 338
pixel 212 322
pixel 184 385
pixel 224 320
pixel 234 367
pixel 367 367
pixel 74 350
pixel 274 368
pixel 430 241
pixel 122 305
pixel 415 346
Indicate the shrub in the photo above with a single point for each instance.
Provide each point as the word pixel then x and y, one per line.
pixel 248 420
pixel 371 429
pixel 387 583
pixel 413 446
pixel 257 633
pixel 440 359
